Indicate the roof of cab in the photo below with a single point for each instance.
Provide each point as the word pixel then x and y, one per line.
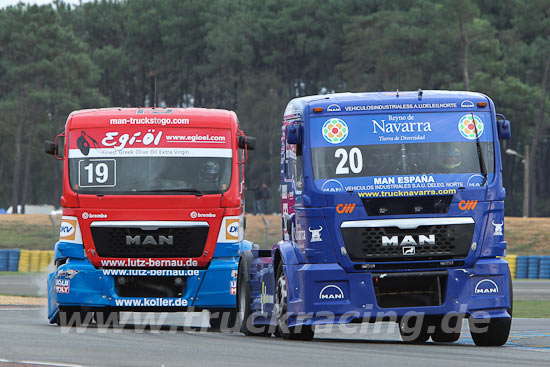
pixel 395 97
pixel 102 116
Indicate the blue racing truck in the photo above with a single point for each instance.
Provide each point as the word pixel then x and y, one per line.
pixel 392 209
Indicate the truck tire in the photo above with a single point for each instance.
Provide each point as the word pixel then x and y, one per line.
pixel 413 332
pixel 301 332
pixel 498 330
pixel 440 336
pixel 495 334
pixel 448 333
pixel 244 313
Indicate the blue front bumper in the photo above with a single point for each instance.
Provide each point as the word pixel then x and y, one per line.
pixel 78 283
pixel 326 289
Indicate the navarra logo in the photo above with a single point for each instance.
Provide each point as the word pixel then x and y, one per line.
pixel 468 129
pixel 335 131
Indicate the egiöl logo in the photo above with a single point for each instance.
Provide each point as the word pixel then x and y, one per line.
pixel 486 286
pixel 331 292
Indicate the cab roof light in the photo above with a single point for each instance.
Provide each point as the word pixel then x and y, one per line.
pixel 317 109
pixel 482 104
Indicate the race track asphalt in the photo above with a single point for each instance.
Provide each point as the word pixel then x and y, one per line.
pixel 157 339
pixel 25 336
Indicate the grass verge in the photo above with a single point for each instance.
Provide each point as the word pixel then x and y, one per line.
pixel 532 309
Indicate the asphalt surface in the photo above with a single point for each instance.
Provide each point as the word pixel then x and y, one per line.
pixel 27 337
pixel 165 339
pixel 35 285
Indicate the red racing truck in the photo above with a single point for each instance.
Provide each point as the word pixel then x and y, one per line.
pixel 153 214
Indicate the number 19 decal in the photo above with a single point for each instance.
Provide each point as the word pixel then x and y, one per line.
pixel 355 161
pixel 97 172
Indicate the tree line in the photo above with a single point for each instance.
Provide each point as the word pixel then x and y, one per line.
pixel 253 56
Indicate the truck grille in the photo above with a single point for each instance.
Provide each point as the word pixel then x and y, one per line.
pixel 426 242
pixel 157 243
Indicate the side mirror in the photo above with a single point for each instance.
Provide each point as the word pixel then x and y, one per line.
pixel 294 134
pixel 57 148
pixel 247 142
pixel 50 147
pixel 504 128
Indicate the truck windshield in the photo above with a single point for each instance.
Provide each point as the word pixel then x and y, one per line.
pixel 130 161
pixel 402 151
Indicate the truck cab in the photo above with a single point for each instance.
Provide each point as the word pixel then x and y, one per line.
pixel 392 209
pixel 153 210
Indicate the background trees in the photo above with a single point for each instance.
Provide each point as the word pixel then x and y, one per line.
pixel 253 57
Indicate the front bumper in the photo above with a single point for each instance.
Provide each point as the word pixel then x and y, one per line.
pixel 317 291
pixel 78 283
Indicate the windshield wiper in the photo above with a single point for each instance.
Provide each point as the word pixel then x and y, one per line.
pixel 480 153
pixel 190 191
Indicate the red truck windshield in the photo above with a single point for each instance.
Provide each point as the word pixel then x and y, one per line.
pixel 149 161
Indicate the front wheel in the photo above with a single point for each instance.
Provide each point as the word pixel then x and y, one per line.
pixel 492 333
pixel 300 332
pixel 414 329
pixel 245 318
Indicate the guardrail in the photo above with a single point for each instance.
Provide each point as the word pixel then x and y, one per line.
pixel 25 260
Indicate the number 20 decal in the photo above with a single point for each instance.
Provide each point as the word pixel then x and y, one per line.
pixel 355 161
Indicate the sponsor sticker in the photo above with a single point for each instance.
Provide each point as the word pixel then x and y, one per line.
pixel 87 215
pixel 316 234
pixel 195 214
pixel 498 228
pixel 62 286
pixel 335 130
pixel 345 208
pixel 232 229
pixel 67 230
pixel 468 129
pixel 466 205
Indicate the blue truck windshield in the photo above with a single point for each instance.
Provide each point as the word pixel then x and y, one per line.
pixel 421 151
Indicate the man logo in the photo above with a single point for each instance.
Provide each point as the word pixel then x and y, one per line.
pixel 486 286
pixel 331 292
pixel 467 204
pixel 334 108
pixel 149 240
pixel 232 229
pixel 409 250
pixel 408 240
pixel 345 208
